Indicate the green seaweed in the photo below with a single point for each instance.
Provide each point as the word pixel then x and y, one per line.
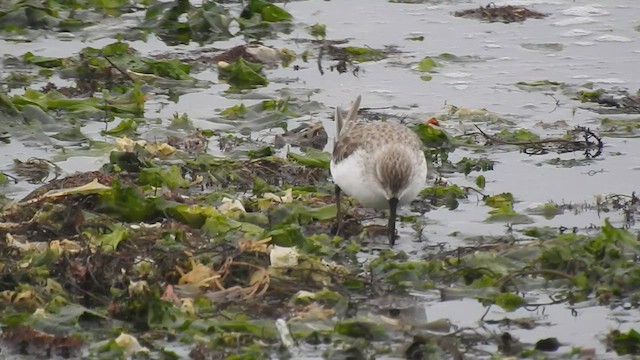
pixel 243 74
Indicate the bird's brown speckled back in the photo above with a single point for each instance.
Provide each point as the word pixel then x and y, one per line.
pixel 371 137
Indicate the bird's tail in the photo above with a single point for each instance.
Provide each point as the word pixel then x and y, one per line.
pixel 352 115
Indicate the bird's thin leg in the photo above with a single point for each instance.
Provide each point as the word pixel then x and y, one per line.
pixel 339 211
pixel 393 207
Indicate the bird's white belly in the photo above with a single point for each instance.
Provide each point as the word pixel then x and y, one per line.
pixel 353 178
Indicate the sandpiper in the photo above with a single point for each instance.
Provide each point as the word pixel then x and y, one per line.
pixel 381 164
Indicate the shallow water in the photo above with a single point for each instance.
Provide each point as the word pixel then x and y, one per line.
pixel 579 42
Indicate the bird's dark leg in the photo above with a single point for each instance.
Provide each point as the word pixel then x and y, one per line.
pixel 339 211
pixel 393 207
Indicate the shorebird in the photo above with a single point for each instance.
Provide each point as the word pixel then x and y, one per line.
pixel 381 164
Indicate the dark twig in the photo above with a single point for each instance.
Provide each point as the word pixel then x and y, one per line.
pixel 124 73
pixel 15 180
pixel 468 189
pixel 507 278
pixel 562 145
pixel 486 312
pixel 557 103
pixel 320 54
pixel 519 143
pixel 535 306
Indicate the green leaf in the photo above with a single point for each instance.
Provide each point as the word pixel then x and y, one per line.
pixel 17 319
pixel 181 122
pixel 323 213
pixel 312 158
pixel 298 214
pixel 54 100
pixel 499 200
pixel 248 327
pixel 395 270
pixel 481 181
pixel 289 235
pixel 540 85
pixel 542 233
pixel 127 204
pixel 431 136
pixel 274 13
pixel 125 161
pixel 221 225
pixel 328 297
pixel 260 153
pixel 582 282
pixel 207 133
pixel 6 105
pixel 109 242
pixel 278 105
pixel 172 69
pixel 467 165
pixel 171 177
pixel 360 329
pixel 427 64
pixel 415 38
pixel 548 210
pixel 125 127
pixel 625 343
pixel 444 195
pixel 447 57
pixel 71 134
pixel 45 258
pixel 354 284
pixel 110 4
pixel 166 19
pixel 364 54
pixel 520 135
pixel 4 180
pixel 509 301
pixel 268 11
pixel 116 49
pixel 621 237
pixel 318 30
pixel 260 187
pixel 192 215
pixel 132 101
pixel 211 22
pixel 507 214
pixel 42 61
pixel 243 74
pixel 305 55
pixel 235 112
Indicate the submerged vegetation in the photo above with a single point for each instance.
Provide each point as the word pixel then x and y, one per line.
pixel 505 14
pixel 219 243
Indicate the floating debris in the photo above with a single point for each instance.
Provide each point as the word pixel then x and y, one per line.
pixel 613 102
pixel 506 14
pixel 254 53
pixel 578 139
